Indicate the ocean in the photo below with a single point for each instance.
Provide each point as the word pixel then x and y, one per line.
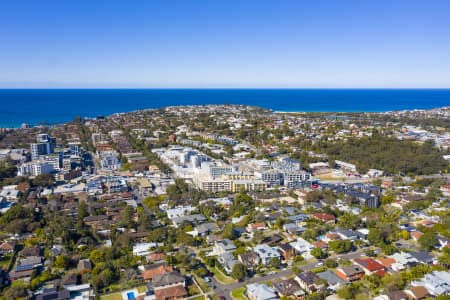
pixel 50 106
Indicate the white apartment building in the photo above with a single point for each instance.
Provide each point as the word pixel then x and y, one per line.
pixel 35 168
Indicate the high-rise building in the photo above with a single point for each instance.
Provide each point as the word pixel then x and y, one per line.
pixel 45 144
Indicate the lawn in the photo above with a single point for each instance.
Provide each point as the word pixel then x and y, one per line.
pixel 5 260
pixel 239 294
pixel 142 288
pixel 193 290
pixel 205 287
pixel 222 278
pixel 115 296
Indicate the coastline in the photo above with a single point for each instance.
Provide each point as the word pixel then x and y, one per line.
pixel 56 106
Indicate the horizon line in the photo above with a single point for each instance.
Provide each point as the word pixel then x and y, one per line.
pixel 224 88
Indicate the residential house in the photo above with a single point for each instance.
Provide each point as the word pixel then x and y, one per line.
pixel 333 281
pixel 415 235
pixel 417 293
pixel 370 266
pixel 310 282
pixel 249 259
pixel 53 293
pixel 30 251
pixel 155 257
pixel 423 257
pixel 350 273
pixel 255 226
pixel 84 265
pixel 81 291
pixel 193 219
pixel 169 286
pixel 25 268
pixel 266 253
pixel 227 261
pixel 348 234
pixel 287 251
pixel 320 244
pixel 437 282
pixel 143 249
pixel 404 259
pixel 223 246
pixel 302 247
pixel 390 264
pixel 203 229
pixel 32 261
pixel 289 288
pixel 326 218
pixel 156 269
pixel 8 246
pixel 394 295
pixel 293 228
pixel 256 291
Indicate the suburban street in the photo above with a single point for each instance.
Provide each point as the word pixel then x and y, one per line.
pixel 224 290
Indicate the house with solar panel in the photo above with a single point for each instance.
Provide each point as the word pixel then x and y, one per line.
pixel 25 268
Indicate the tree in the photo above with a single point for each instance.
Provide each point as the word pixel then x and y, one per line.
pixel 62 262
pixel 44 180
pixel 97 256
pixel 404 234
pixel 340 246
pixel 17 290
pixel 349 221
pixel 239 272
pixel 347 291
pixel 444 259
pixel 376 236
pixel 330 263
pixel 275 263
pixel 82 210
pixel 229 232
pixel 318 253
pixel 388 198
pixel 157 235
pixel 429 240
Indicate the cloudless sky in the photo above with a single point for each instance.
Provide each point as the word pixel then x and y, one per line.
pixel 225 43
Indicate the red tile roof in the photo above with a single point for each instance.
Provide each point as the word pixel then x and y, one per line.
pixel 324 217
pixel 369 264
pixel 320 244
pixel 174 292
pixel 149 274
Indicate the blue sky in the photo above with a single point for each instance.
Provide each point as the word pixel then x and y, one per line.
pixel 232 43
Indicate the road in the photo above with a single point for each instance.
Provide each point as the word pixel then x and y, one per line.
pixel 445 177
pixel 225 290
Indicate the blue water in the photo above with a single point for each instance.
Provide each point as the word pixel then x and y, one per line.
pixel 60 105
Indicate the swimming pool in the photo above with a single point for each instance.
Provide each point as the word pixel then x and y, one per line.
pixel 131 296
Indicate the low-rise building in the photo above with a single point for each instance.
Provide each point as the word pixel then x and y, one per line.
pixel 310 282
pixel 266 253
pixel 350 273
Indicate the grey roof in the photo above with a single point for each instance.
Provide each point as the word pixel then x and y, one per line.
pixel 308 277
pixel 287 287
pixel 206 227
pixel 52 293
pixel 422 256
pixel 32 260
pixel 167 279
pixel 330 277
pixel 189 218
pixel 226 245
